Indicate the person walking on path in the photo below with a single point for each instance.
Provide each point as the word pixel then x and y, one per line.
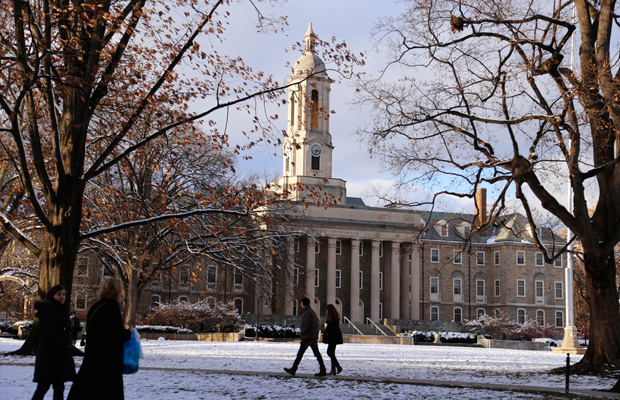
pixel 309 337
pixel 332 335
pixel 53 365
pixel 101 373
pixel 75 327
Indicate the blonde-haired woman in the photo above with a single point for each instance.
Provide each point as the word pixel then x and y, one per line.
pixel 101 373
pixel 333 337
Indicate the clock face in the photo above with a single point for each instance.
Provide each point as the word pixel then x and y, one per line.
pixel 316 149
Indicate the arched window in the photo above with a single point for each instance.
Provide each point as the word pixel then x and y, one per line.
pixel 559 319
pixel 314 111
pixel 434 313
pixel 239 305
pixel 540 317
pixel 521 316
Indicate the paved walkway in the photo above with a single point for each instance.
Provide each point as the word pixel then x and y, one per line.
pixel 478 385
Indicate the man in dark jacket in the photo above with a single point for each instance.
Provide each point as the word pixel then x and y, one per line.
pixel 309 336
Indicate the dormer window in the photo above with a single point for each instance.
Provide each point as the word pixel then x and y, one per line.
pixel 444 230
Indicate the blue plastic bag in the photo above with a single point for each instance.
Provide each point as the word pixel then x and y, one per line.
pixel 132 352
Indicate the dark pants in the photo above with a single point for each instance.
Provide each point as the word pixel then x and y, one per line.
pixel 331 352
pixel 42 388
pixel 305 343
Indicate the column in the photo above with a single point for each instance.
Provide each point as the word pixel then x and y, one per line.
pixel 355 284
pixel 405 278
pixel 395 281
pixel 310 267
pixel 415 282
pixel 331 271
pixel 288 286
pixel 374 282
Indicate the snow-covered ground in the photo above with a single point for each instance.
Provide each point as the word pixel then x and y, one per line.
pixel 184 370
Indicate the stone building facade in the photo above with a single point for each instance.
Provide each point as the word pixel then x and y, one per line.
pixel 371 263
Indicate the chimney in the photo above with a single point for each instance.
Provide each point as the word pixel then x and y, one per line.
pixel 481 209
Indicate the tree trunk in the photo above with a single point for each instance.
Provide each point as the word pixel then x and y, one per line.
pixel 604 346
pixel 132 297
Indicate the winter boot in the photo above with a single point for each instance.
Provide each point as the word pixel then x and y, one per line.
pixel 332 372
pixel 339 369
pixel 322 372
pixel 290 371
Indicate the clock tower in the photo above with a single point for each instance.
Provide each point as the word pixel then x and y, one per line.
pixel 307 148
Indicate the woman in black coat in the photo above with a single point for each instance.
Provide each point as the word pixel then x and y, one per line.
pixel 53 365
pixel 333 337
pixel 100 376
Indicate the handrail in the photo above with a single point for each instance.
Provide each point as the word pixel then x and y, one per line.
pixel 376 326
pixel 353 325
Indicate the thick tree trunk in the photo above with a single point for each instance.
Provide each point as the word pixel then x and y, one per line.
pixel 604 346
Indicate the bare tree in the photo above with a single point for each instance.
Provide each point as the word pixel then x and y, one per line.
pixel 485 94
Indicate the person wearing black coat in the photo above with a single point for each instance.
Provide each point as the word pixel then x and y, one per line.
pixel 100 376
pixel 53 365
pixel 332 335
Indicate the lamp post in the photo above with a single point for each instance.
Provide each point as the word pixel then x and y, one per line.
pixel 258 307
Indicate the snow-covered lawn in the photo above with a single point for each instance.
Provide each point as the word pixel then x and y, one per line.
pixel 182 370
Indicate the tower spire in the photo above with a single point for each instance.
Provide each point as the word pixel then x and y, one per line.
pixel 310 39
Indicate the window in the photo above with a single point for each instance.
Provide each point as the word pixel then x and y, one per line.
pixel 295 309
pixel 479 287
pixel 559 319
pixel 183 299
pixel 380 249
pixel 296 245
pixel 338 247
pixel 457 284
pixel 361 279
pixel 434 285
pixel 380 280
pixel 540 317
pixel 521 316
pixel 381 311
pixel 497 288
pixel 81 269
pixel 316 277
pixel 444 230
pixel 211 275
pixel 480 312
pixel 338 276
pixel 238 305
pixel 295 276
pixel 155 301
pixel 314 110
pixel 361 248
pixel 238 278
pixel 317 247
pixel 316 163
pixel 520 257
pixel 80 301
pixel 539 259
pixel 539 289
pixel 559 290
pixel 520 288
pixel 458 257
pixel 480 258
pixel 410 254
pixel 434 255
pixel 184 277
pixel 496 258
pixel 558 262
pixel 458 315
pixel 434 313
